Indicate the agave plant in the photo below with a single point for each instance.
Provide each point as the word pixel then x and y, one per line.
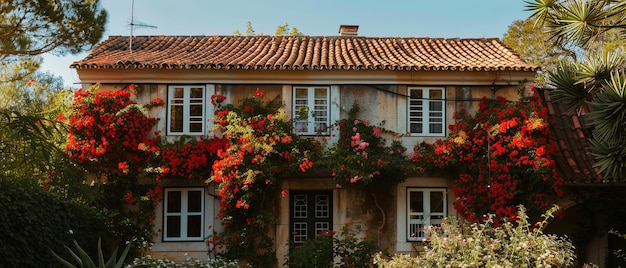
pixel 84 261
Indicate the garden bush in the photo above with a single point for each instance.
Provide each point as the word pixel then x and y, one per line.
pixel 34 222
pixel 329 249
pixel 513 244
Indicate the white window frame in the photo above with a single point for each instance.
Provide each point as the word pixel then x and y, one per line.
pixel 207 109
pixel 426 118
pixel 311 121
pixel 183 214
pixel 429 218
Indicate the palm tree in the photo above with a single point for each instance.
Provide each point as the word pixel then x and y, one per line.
pixel 594 87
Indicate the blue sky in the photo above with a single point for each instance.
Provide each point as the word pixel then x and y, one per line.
pixel 418 18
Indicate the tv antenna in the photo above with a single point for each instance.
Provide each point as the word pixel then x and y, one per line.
pixel 135 24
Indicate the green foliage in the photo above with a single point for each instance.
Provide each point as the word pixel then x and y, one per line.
pixel 84 261
pixel 535 47
pixel 593 87
pixel 519 244
pixel 283 29
pixel 149 261
pixel 329 249
pixel 27 143
pixel 365 155
pixel 578 21
pixel 32 27
pixel 33 222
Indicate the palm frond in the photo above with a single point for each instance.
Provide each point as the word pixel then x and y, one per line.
pixel 609 109
pixel 567 90
pixel 595 71
pixel 610 158
pixel 542 10
pixel 581 20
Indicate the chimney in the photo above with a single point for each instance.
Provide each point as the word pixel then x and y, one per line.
pixel 349 30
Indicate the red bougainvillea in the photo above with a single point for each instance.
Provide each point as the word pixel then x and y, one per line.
pixel 106 128
pixel 503 157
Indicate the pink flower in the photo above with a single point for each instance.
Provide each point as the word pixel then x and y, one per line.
pixel 377 131
pixel 355 179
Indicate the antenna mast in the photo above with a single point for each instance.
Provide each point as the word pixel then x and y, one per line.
pixel 132 24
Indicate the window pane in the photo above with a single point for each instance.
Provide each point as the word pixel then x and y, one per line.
pixel 194 226
pixel 194 199
pixel 195 110
pixel 416 93
pixel 176 121
pixel 179 92
pixel 299 232
pixel 300 206
pixel 302 93
pixel 196 92
pixel 320 127
pixel 436 106
pixel 416 128
pixel 416 201
pixel 322 206
pixel 436 201
pixel 195 127
pixel 301 126
pixel 173 201
pixel 321 93
pixel 436 128
pixel 173 226
pixel 435 94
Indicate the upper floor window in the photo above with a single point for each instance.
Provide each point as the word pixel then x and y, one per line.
pixel 311 110
pixel 187 110
pixel 427 111
pixel 184 214
pixel 425 207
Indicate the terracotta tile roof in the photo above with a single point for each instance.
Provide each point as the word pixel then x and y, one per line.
pixel 573 154
pixel 303 53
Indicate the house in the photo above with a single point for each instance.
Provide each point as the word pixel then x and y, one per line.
pixel 413 84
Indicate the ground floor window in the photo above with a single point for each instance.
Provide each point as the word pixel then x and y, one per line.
pixel 183 214
pixel 425 207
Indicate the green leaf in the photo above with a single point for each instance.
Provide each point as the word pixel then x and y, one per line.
pixel 567 90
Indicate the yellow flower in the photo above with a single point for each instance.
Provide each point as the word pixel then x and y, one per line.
pixel 461 138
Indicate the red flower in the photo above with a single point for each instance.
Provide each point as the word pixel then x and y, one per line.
pixel 217 99
pixel 129 198
pixel 259 93
pixel 248 109
pixel 123 166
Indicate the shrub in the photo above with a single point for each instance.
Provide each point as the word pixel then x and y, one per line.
pixel 33 222
pixel 329 249
pixel 518 244
pixel 149 261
